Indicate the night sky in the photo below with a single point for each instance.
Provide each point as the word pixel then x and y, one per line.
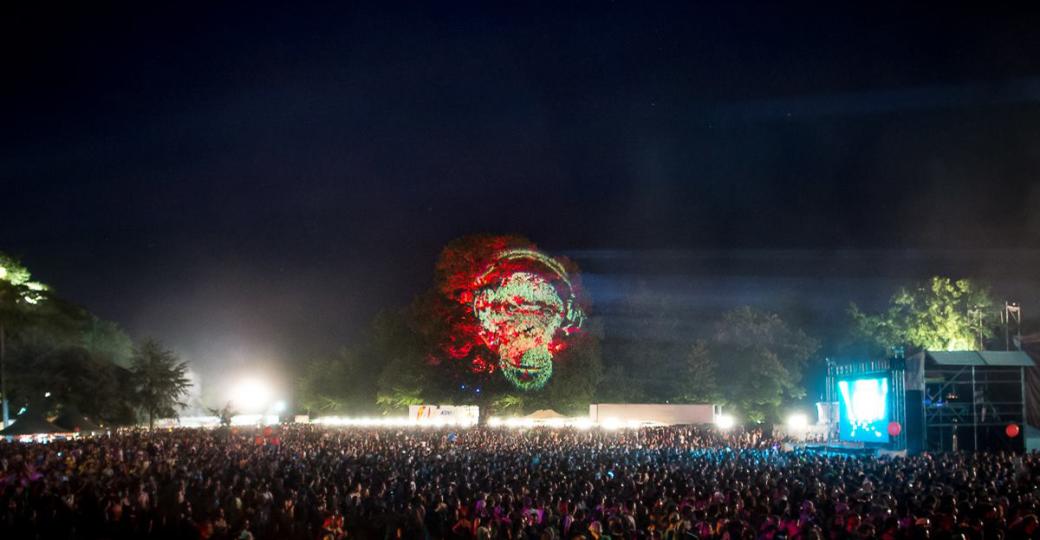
pixel 252 184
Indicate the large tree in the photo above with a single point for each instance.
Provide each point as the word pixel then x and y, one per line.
pixel 940 314
pixel 321 388
pixel 696 377
pixel 475 357
pixel 107 341
pixel 340 383
pixel 18 298
pixel 577 373
pixel 398 359
pixel 160 381
pixel 50 345
pixel 760 361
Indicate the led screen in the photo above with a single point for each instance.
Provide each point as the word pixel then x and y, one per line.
pixel 863 409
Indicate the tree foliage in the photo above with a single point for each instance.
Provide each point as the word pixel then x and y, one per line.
pixel 577 373
pixel 20 297
pixel 343 383
pixel 940 315
pixel 71 378
pixel 426 352
pixel 321 388
pixel 55 347
pixel 159 381
pixel 760 362
pixel 697 376
pixel 106 340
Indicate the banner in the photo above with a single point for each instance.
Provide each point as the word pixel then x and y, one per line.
pixel 461 414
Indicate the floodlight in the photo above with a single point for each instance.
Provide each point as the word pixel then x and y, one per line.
pixel 797 422
pixel 250 395
pixel 725 421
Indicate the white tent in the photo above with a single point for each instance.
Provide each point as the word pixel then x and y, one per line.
pixel 544 414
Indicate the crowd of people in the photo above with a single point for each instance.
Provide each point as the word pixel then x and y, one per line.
pixel 306 482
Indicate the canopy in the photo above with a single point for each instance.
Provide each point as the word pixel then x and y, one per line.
pixel 544 414
pixel 72 420
pixel 981 358
pixel 30 423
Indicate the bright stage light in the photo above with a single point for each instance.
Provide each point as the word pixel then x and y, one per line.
pixel 250 396
pixel 725 421
pixel 279 406
pixel 584 423
pixel 797 422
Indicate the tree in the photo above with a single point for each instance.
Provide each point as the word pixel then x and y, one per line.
pixel 49 345
pixel 697 376
pixel 106 340
pixel 321 388
pixel 17 295
pixel 402 384
pixel 617 386
pixel 398 356
pixel 577 373
pixel 159 379
pixel 87 383
pixel 939 315
pixel 760 361
pixel 344 382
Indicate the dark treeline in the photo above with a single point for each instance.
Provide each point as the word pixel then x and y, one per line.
pixel 59 357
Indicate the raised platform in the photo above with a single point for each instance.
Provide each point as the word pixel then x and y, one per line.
pixel 842 449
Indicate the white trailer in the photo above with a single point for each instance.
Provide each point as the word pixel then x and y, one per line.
pixel 655 413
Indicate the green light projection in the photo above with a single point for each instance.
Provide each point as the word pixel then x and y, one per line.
pixel 524 301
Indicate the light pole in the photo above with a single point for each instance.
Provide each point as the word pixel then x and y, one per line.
pixel 1011 310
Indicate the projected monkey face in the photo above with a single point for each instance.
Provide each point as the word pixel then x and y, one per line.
pixel 518 318
pixel 520 312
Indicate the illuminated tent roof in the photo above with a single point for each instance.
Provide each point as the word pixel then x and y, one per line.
pixel 30 423
pixel 73 421
pixel 981 358
pixel 544 414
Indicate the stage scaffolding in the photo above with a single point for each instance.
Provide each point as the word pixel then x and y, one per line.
pixel 958 400
pixel 969 398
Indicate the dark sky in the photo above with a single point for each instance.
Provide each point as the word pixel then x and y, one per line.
pixel 249 183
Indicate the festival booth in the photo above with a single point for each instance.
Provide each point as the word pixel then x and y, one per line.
pixel 546 416
pixel 460 415
pixel 71 420
pixel 31 426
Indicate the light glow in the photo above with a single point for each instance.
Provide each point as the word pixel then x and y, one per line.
pixel 251 396
pixel 725 422
pixel 394 421
pixel 797 422
pixel 579 422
